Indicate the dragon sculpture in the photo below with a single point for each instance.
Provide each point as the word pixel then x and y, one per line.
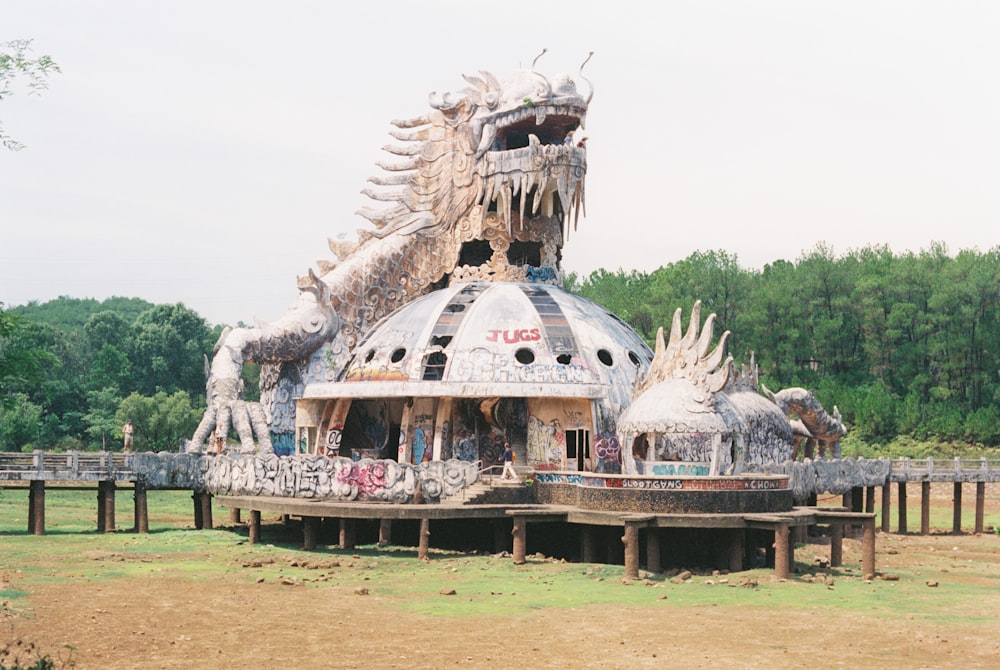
pixel 695 406
pixel 484 186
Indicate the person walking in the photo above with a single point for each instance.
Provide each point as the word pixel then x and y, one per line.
pixel 508 463
pixel 127 432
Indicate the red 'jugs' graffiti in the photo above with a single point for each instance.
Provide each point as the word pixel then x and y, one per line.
pixel 514 336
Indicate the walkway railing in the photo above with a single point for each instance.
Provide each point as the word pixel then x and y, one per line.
pixel 68 466
pixel 944 470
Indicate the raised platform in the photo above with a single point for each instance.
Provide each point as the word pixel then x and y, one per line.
pixel 743 494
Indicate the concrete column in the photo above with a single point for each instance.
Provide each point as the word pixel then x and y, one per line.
pixel 886 506
pixel 102 522
pixel 902 508
pixel 423 550
pixel 980 505
pixel 36 507
pixel 347 533
pixel 384 532
pixel 782 551
pixel 836 545
pixel 199 511
pixel 141 508
pixel 956 522
pixel 253 528
pixel 310 531
pixel 631 541
pixel 868 549
pixel 736 550
pixel 109 507
pixel 206 510
pixel 857 499
pixel 870 499
pixel 653 563
pixel 234 516
pixel 520 534
pixel 588 540
pixel 925 508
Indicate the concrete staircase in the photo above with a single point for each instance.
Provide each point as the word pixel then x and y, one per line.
pixel 486 492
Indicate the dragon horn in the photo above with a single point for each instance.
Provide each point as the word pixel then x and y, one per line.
pixel 582 76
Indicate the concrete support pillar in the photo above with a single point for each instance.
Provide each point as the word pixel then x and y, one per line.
pixel 980 505
pixel 253 527
pixel 347 533
pixel 653 562
pixel 520 534
pixel 925 508
pixel 956 522
pixel 423 550
pixel 631 541
pixel 836 545
pixel 588 548
pixel 36 507
pixel 384 532
pixel 102 522
pixel 234 516
pixel 783 553
pixel 108 503
pixel 199 511
pixel 857 499
pixel 868 549
pixel 870 499
pixel 901 508
pixel 206 510
pixel 736 550
pixel 141 520
pixel 310 532
pixel 886 506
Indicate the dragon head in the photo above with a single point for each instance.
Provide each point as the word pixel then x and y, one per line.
pixel 499 164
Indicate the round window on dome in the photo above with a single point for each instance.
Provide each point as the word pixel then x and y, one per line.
pixel 369 356
pixel 524 356
pixel 604 356
pixel 633 357
pixel 397 355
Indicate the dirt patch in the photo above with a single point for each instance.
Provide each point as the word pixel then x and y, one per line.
pixel 225 607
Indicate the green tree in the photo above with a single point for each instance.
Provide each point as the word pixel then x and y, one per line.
pixel 20 424
pixel 102 427
pixel 15 64
pixel 160 421
pixel 168 344
pixel 22 362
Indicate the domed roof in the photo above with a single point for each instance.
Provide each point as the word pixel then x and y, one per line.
pixel 494 339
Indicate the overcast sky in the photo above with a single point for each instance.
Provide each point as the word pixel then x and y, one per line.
pixel 202 152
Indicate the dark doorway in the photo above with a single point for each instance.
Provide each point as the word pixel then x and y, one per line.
pixel 578 448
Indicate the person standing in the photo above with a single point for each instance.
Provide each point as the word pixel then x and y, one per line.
pixel 127 432
pixel 508 463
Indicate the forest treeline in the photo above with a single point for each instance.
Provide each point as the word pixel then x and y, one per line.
pixel 72 371
pixel 905 344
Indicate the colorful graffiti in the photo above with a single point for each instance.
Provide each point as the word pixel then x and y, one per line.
pixel 546 441
pixel 464 445
pixel 608 453
pixel 283 443
pixel 337 478
pixel 334 436
pixel 676 469
pixel 482 365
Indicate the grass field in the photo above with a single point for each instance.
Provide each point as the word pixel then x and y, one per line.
pixel 181 591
